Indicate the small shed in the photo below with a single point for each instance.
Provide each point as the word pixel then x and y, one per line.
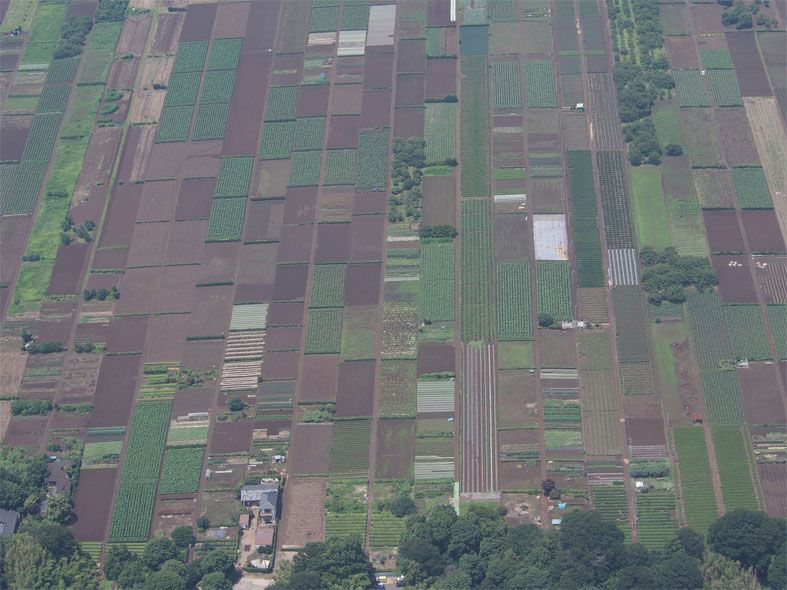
pixel 245 520
pixel 557 521
pixel 9 519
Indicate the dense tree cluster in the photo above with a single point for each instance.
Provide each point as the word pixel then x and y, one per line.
pixel 162 565
pixel 45 347
pixel 409 159
pixel 73 35
pixel 479 550
pixel 437 232
pixel 667 274
pixel 30 407
pixel 23 478
pixel 111 10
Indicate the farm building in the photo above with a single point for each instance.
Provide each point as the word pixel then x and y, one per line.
pixel 244 521
pixel 264 495
pixel 8 521
pixel 58 479
pixel 264 536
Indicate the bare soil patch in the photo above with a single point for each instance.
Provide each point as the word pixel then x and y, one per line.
pixel 411 56
pixel 177 289
pixel 772 277
pixel 724 234
pixel 362 284
pixel 313 100
pixel 706 18
pixel 735 283
pixel 14 131
pixel 93 502
pixel 438 13
pixel 763 231
pixel 115 390
pixel 231 437
pixel 127 334
pixel 201 355
pixel 195 198
pixel 25 432
pixel 123 74
pixel 343 132
pixel 280 365
pixel 199 22
pixel 261 26
pixel 257 264
pixel 370 203
pixel 68 269
pixel 749 70
pixel 395 448
pixel 262 217
pixel 760 392
pixel 366 239
pixel 295 243
pixel 290 282
pixel 304 521
pixel 436 357
pixel 148 245
pixel 245 120
pixel 347 99
pixel 311 452
pixel 137 287
pixel 773 478
pixel 212 311
pixel 168 27
pixel 231 19
pixel 119 223
pixel 645 431
pixel 558 349
pixel 333 242
pixel 376 110
pixel 300 204
pixel 13 362
pixel 410 90
pixel 355 394
pixel 133 36
pixel 409 122
pixel 149 102
pixel 440 77
pixel 285 313
pixel 736 138
pixel 187 241
pixel 167 338
pixel 378 71
pixel 283 338
pixel 319 377
pixel 682 52
pixel 139 143
pixel 166 161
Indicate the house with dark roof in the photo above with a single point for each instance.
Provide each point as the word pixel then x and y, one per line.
pixel 264 495
pixel 9 519
pixel 57 479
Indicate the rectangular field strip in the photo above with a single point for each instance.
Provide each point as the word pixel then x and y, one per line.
pixel 655 526
pixel 437 282
pixel 514 301
pixel 440 131
pixel 737 487
pixel 699 500
pixel 722 397
pixel 477 266
pixel 250 316
pixel 435 396
pixel 540 83
pixel 475 129
pixel 711 339
pixel 690 85
pixel 584 214
pixel 553 289
pixel 747 332
pixel 350 449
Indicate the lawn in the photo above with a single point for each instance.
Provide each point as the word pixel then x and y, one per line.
pixel 515 355
pixel 650 208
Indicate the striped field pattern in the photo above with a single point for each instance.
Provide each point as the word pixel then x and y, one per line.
pixel 251 316
pixel 435 396
pixel 623 267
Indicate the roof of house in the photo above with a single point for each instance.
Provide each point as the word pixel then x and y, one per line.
pixel 264 536
pixel 244 518
pixel 267 492
pixel 58 477
pixel 8 522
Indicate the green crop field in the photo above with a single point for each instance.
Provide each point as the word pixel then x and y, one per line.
pixel 277 140
pixel 63 70
pixel 716 59
pixel 174 124
pixel 372 158
pixel 346 525
pixel 474 40
pixel 396 389
pixel 324 331
pixel 323 19
pixel 751 190
pixel 615 200
pixel 440 131
pixel 42 138
pixel 386 530
pixel 234 176
pixel 7 174
pixel 611 503
pixel 514 301
pixel 327 285
pixel 666 118
pixel 724 88
pixel 182 470
pixel 584 219
pixel 27 185
pixel 350 449
pixel 506 91
pixel 190 57
pixel 553 289
pixel 309 134
pixel 102 452
pixel 632 331
pixel 474 105
pixel 559 412
pixel 747 332
pixel 701 136
pixel 650 208
pixel 711 339
pixel 53 99
pixel 690 85
pixel 731 457
pixel 722 397
pixel 712 188
pixel 218 87
pixel 699 500
pixel 654 525
pixel 226 220
pixel 339 167
pixel 777 319
pixel 224 54
pixel 437 282
pixel 183 89
pixel 354 18
pixel 477 267
pixel 305 168
pixel 211 121
pixel 540 83
pixel 282 103
pixel 137 490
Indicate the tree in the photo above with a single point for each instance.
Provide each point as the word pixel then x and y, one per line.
pixel 333 563
pixel 22 557
pixel 22 475
pixel 203 522
pixel 457 580
pixel 748 537
pixel 235 404
pixel 215 581
pixel 165 579
pixel 548 485
pixel 420 560
pixel 681 572
pixel 673 149
pixel 592 541
pixel 439 522
pixel 60 509
pixel 218 561
pixel 687 540
pixel 183 535
pixel 402 505
pixel 545 320
pixel 777 569
pixel 133 575
pixel 157 551
pixel 722 573
pixel 635 577
pixel 55 538
pixel 115 560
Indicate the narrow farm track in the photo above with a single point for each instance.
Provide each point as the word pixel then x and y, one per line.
pixel 479 419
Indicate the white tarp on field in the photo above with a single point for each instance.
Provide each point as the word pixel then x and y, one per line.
pixel 550 237
pixel 351 43
pixel 382 20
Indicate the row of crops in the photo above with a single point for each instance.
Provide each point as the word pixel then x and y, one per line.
pixel 474 127
pixel 618 228
pixel 553 289
pixel 350 449
pixel 324 331
pixel 655 525
pixel 699 499
pixel 722 396
pixel 711 339
pixel 477 265
pixel 611 503
pixel 514 301
pixel 182 470
pixel 229 202
pixel 734 470
pixel 133 510
pixel 584 219
pixel 437 281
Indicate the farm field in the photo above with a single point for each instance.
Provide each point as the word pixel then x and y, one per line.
pixel 368 251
